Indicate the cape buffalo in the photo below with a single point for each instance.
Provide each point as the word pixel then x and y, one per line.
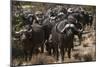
pixel 62 37
pixel 32 39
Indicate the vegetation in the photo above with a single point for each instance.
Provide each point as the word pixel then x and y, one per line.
pixel 19 6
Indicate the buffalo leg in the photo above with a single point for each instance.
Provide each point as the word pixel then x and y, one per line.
pixel 56 52
pixel 69 52
pixel 25 55
pixel 42 48
pixel 80 38
pixel 49 51
pixel 31 52
pixel 62 54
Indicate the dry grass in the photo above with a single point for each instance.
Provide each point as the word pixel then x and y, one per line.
pixel 39 59
pixel 42 59
pixel 85 54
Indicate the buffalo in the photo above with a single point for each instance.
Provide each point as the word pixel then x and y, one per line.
pixel 62 37
pixel 32 39
pixel 31 36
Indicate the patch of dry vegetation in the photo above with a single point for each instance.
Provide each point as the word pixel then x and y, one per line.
pixel 42 59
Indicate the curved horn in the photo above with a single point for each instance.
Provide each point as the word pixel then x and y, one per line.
pixel 81 30
pixel 86 32
pixel 52 17
pixel 67 25
pixel 30 30
pixel 17 32
pixel 57 28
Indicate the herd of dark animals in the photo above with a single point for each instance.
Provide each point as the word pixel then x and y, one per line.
pixel 53 31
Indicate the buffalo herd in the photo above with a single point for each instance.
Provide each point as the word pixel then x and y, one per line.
pixel 53 31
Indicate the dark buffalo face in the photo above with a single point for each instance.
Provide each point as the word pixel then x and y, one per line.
pixel 27 32
pixel 30 18
pixel 77 19
pixel 69 31
pixel 78 16
pixel 69 35
pixel 39 16
pixel 53 13
pixel 25 43
pixel 61 16
pixel 67 39
pixel 79 24
pixel 25 35
pixel 83 18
